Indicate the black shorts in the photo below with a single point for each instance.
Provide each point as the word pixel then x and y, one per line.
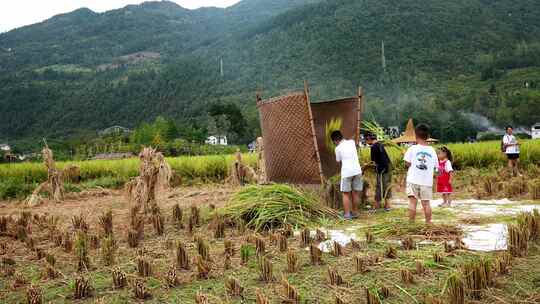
pixel 512 156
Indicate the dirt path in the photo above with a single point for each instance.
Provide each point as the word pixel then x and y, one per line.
pixel 95 202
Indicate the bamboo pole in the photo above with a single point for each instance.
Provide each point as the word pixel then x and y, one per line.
pixel 311 122
pixel 360 110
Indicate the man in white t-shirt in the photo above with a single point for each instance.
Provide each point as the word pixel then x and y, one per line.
pixel 422 161
pixel 351 174
pixel 511 149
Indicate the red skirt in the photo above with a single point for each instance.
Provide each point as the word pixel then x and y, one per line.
pixel 444 187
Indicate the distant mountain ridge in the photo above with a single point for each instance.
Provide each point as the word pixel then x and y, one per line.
pixel 67 75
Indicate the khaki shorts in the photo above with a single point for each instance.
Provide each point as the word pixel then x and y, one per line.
pixel 352 183
pixel 423 193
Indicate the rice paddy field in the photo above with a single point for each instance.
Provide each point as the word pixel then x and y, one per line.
pixel 210 241
pixel 17 180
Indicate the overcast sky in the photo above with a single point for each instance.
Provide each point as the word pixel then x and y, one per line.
pixel 17 13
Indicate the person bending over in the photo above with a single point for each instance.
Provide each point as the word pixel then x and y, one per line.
pixel 383 169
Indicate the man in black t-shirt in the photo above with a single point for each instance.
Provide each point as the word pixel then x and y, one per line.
pixel 383 168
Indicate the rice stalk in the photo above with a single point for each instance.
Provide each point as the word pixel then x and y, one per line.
pixel 477 276
pixel 420 268
pixel 534 189
pixel 140 291
pixel 177 216
pixel 372 297
pixel 260 246
pixel 339 300
pixel 369 237
pixel 34 295
pixel 108 250
pixel 355 245
pixel 315 255
pixel 19 280
pixel 274 206
pixel 360 264
pixel 260 297
pixel 233 287
pixel 337 249
pixel 94 241
pixel 157 220
pixel 119 278
pixel 49 272
pixel 106 223
pixel 265 269
pixel 283 243
pixel 81 251
pixel 334 278
pixel 79 222
pixel 406 276
pixel 203 268
pixel 455 289
pixel 305 237
pixel 408 243
pixel 391 252
pixel 49 258
pixel 227 262
pixel 503 263
pixel 171 278
pixel 332 125
pixel 203 248
pixel 228 246
pixel 219 231
pixel 82 289
pixel 144 267
pixel 245 253
pixel 292 261
pixel 195 215
pixel 133 238
pixel 438 258
pixel 182 257
pixel 384 292
pixel 320 236
pixel 290 293
pixel 201 298
pixel 518 237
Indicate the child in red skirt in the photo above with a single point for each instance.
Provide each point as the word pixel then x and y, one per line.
pixel 444 179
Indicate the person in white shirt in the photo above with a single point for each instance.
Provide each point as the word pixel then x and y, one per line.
pixel 351 174
pixel 511 149
pixel 422 161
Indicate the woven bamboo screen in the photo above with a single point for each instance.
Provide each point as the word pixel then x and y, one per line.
pixel 348 111
pixel 289 146
pixel 294 130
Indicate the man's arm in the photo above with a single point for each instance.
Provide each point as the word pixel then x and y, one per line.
pixel 407 158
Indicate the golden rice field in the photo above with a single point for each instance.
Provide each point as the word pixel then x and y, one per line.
pixel 476 155
pixel 18 179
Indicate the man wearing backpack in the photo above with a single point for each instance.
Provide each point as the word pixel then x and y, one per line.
pixel 510 146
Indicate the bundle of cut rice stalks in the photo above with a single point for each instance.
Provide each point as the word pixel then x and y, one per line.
pixel 273 206
pixel 154 177
pixel 54 184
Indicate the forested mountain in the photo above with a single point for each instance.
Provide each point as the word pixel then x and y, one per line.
pixel 83 71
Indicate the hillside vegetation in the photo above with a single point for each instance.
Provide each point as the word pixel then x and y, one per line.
pixel 81 72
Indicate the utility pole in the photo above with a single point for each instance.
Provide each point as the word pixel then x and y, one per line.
pixel 383 57
pixel 221 67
